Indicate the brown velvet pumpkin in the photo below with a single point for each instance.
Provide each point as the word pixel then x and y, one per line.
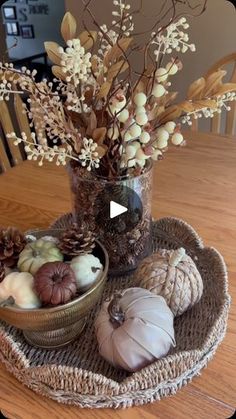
pixel 134 329
pixel 55 283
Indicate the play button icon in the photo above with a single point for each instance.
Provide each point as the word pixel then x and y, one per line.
pixel 116 209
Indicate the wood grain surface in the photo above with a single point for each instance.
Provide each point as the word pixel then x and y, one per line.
pixel 197 184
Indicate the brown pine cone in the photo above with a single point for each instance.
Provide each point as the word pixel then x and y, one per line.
pixel 2 272
pixel 12 242
pixel 75 241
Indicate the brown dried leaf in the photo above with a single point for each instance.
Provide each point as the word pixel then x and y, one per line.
pixel 88 39
pixel 140 88
pixel 117 69
pixel 100 78
pixel 101 150
pixel 186 106
pixel 99 135
pixel 52 51
pixel 226 88
pixel 94 63
pixel 88 94
pixel 9 76
pixel 58 73
pixel 170 97
pixel 104 90
pixel 214 82
pixel 117 51
pixel 92 124
pixel 68 27
pixel 196 89
pixel 170 114
pixel 155 112
pixel 145 80
pixel 207 103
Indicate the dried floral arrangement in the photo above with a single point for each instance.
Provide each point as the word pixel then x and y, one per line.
pixel 101 113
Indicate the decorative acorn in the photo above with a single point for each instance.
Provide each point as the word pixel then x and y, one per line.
pixel 174 275
pixel 12 242
pixel 134 329
pixel 75 241
pixel 55 283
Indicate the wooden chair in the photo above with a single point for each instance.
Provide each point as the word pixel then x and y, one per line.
pixel 11 155
pixel 216 121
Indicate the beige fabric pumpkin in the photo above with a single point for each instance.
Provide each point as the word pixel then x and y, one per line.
pixel 174 275
pixel 134 329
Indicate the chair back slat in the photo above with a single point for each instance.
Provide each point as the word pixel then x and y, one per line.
pixel 216 124
pixel 8 128
pixel 194 126
pixel 21 117
pixel 4 161
pixel 231 116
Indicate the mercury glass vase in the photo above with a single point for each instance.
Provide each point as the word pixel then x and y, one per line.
pixel 127 237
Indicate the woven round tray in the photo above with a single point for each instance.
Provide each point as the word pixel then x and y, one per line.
pixel 78 375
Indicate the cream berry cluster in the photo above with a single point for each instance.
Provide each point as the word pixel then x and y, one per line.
pixel 140 141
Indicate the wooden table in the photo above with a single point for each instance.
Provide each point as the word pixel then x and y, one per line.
pixel 197 184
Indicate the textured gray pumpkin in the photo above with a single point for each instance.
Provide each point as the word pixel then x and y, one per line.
pixel 174 275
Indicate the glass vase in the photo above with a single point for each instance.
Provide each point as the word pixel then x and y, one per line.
pixel 128 240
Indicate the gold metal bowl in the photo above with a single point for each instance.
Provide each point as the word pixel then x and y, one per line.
pixel 55 327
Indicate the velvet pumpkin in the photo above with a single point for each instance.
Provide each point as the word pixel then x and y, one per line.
pixel 134 329
pixel 36 254
pixel 17 288
pixel 55 283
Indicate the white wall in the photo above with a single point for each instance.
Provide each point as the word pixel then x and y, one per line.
pixel 46 26
pixel 214 33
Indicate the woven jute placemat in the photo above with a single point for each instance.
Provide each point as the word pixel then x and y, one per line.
pixel 78 375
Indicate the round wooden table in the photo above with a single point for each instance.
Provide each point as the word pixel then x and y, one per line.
pixel 196 183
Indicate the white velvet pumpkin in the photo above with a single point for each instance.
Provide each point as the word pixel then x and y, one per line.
pixel 134 329
pixel 20 288
pixel 36 254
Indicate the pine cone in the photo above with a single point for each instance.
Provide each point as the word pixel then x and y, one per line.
pixel 2 272
pixel 76 241
pixel 12 242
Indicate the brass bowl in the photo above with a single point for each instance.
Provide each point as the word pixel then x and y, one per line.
pixel 55 327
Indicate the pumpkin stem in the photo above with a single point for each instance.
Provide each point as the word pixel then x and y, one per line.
pixel 177 256
pixel 9 302
pixel 114 310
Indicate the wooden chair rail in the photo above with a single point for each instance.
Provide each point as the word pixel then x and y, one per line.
pixel 13 155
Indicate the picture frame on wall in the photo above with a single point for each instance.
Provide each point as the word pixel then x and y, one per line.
pixel 12 29
pixel 27 31
pixel 9 12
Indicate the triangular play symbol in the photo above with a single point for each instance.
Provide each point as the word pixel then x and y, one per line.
pixel 116 209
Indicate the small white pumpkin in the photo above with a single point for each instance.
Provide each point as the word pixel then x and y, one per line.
pixel 87 268
pixel 19 287
pixel 36 254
